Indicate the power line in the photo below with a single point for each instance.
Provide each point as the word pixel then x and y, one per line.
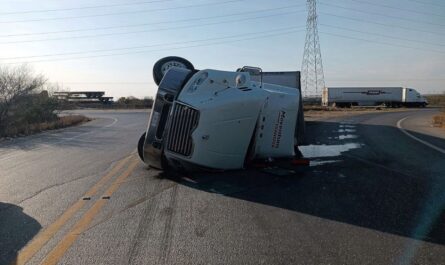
pixel 383 15
pixel 425 3
pixel 397 8
pixel 150 30
pixel 286 31
pixel 149 24
pixel 134 47
pixel 109 83
pixel 124 12
pixel 383 43
pixel 333 80
pixel 82 7
pixel 164 49
pixel 385 79
pixel 383 24
pixel 382 35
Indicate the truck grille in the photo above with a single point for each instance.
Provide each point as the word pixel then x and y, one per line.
pixel 184 121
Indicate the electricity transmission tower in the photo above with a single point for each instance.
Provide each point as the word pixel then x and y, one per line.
pixel 312 80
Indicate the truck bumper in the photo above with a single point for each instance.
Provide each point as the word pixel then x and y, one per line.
pixel 158 126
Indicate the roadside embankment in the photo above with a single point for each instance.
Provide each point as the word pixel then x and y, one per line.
pixel 28 129
pixel 437 100
pixel 439 120
pixel 319 113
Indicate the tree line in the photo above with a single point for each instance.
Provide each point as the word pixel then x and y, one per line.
pixel 133 102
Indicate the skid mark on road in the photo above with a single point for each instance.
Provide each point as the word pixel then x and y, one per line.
pixel 145 224
pixel 129 206
pixel 168 227
pixel 151 213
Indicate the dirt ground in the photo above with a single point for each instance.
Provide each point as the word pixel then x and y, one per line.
pixel 316 114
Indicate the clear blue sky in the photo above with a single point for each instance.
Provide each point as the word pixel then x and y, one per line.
pixel 363 42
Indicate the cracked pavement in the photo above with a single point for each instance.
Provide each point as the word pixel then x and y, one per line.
pixel 79 195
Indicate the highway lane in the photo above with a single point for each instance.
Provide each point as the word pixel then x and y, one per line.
pixel 46 173
pixel 372 195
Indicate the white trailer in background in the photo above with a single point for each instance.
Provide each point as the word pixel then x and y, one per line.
pixel 372 96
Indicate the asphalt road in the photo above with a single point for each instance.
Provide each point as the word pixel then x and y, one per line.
pixel 373 195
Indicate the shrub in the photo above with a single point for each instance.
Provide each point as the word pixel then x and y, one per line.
pixel 439 120
pixel 436 100
pixel 132 102
pixel 23 100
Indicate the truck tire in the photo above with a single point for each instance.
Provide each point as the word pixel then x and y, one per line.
pixel 141 147
pixel 161 66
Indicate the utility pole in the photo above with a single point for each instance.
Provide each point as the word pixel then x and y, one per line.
pixel 312 67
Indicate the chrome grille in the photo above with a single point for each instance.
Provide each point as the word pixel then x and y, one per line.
pixel 184 121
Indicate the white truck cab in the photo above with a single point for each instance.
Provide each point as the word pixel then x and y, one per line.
pixel 413 97
pixel 219 120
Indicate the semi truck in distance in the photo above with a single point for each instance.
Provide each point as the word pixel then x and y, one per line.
pixel 212 119
pixel 372 96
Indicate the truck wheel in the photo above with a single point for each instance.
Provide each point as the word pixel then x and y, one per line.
pixel 164 64
pixel 141 146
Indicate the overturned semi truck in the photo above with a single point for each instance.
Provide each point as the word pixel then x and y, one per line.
pixel 211 119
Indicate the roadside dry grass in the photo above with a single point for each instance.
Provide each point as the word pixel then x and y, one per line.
pixel 319 113
pixel 439 120
pixel 352 109
pixel 436 100
pixel 61 122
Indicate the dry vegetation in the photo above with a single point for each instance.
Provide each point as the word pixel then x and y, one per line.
pixel 134 103
pixel 337 109
pixel 60 122
pixel 25 105
pixel 320 113
pixel 439 120
pixel 436 100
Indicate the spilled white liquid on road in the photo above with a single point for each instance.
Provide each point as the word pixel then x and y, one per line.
pixel 311 151
pixel 347 136
pixel 317 162
pixel 346 130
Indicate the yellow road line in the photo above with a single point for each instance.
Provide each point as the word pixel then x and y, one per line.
pixel 40 240
pixel 59 250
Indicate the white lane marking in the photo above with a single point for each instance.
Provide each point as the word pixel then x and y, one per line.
pixel 399 125
pixel 114 122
